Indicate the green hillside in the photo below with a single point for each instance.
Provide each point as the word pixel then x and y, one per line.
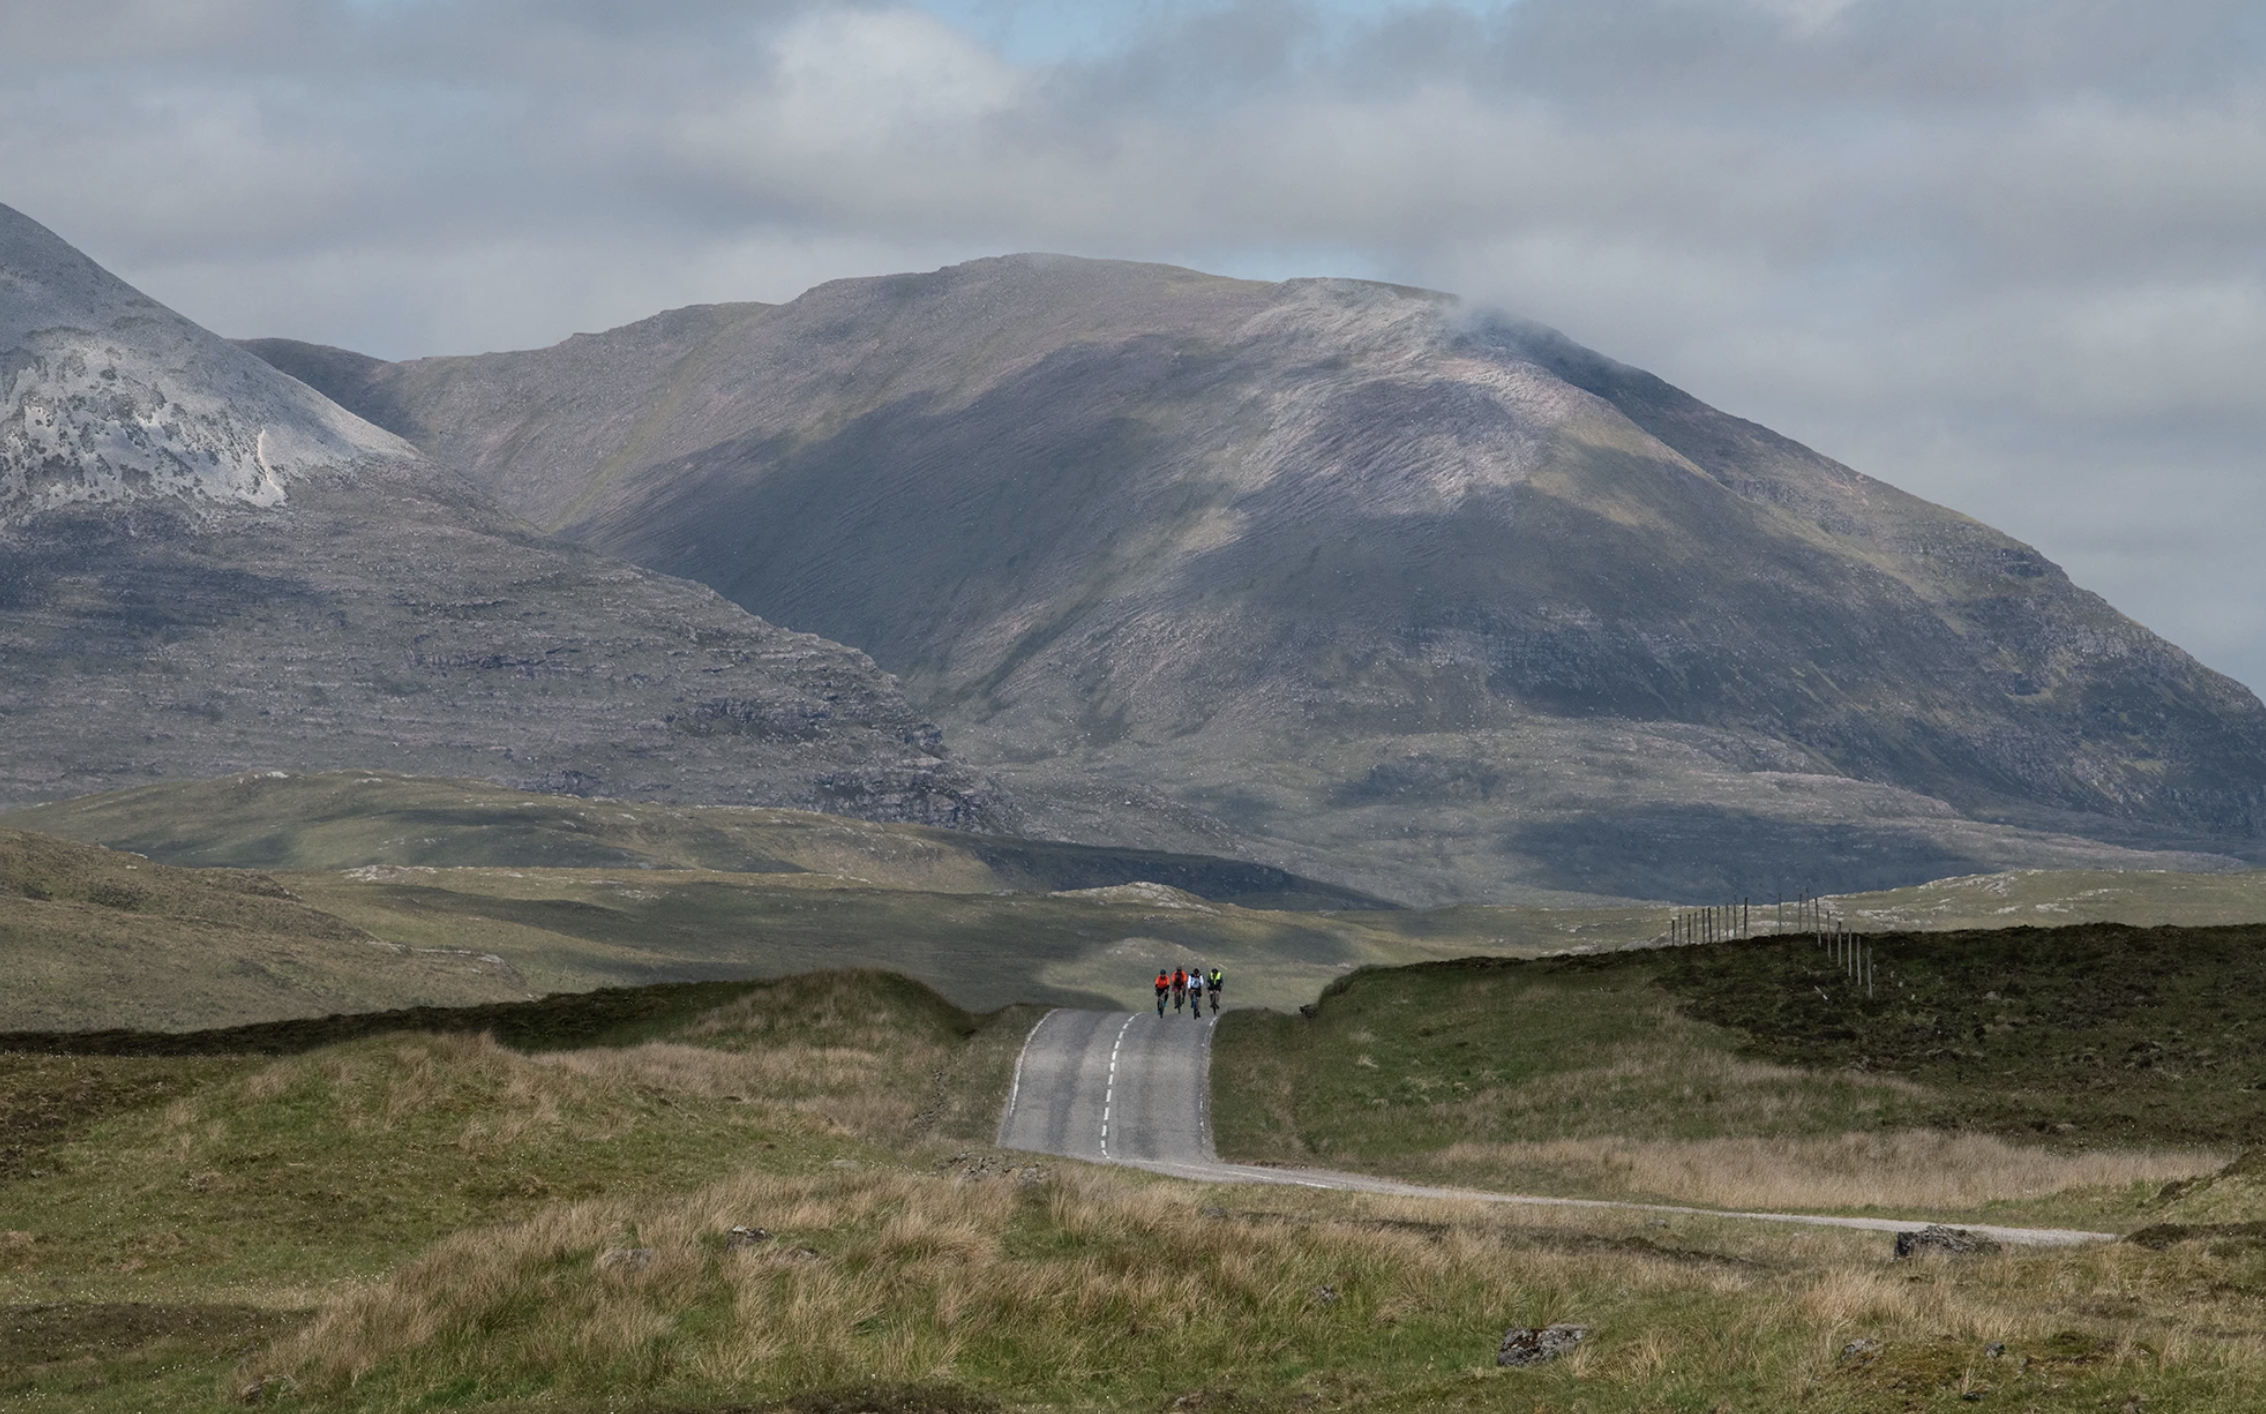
pixel 89 937
pixel 1758 1073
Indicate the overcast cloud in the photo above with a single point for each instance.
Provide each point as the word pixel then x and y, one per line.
pixel 2008 254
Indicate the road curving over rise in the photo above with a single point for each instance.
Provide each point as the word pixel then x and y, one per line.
pixel 1134 1088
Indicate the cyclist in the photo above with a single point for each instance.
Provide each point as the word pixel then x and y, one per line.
pixel 1212 984
pixel 1196 992
pixel 1164 985
pixel 1179 987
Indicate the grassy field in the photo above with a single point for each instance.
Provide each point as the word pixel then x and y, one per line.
pixel 394 1222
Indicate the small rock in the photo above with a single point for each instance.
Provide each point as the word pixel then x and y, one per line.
pixel 971 1167
pixel 746 1236
pixel 803 1254
pixel 1030 1177
pixel 1859 1351
pixel 1525 1345
pixel 1936 1240
pixel 267 1388
pixel 633 1258
pixel 1327 1295
pixel 1995 1349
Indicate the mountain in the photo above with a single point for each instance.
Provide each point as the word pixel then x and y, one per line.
pixel 1428 600
pixel 207 566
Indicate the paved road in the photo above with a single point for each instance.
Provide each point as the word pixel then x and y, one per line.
pixel 1131 1088
pixel 1115 1087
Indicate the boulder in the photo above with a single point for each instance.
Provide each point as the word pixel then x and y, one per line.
pixel 1526 1345
pixel 1938 1241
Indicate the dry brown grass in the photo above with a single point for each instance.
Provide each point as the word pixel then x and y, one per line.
pixel 1912 1170
pixel 1097 1289
pixel 1091 1277
pixel 1678 1074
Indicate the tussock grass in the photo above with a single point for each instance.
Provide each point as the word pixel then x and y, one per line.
pixel 1088 1285
pixel 298 1172
pixel 1907 1171
pixel 1102 1290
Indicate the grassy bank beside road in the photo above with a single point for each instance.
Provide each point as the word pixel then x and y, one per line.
pixel 2053 1073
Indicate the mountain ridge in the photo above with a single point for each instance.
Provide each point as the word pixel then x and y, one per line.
pixel 207 566
pixel 1364 571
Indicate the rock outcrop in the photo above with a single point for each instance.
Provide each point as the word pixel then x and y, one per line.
pixel 207 566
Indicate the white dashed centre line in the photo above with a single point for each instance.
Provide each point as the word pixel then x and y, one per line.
pixel 1109 1095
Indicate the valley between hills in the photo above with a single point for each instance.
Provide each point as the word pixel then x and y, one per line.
pixel 525 878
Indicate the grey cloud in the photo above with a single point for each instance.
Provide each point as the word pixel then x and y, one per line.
pixel 2011 255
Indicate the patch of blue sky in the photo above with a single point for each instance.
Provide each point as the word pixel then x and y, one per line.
pixel 1084 31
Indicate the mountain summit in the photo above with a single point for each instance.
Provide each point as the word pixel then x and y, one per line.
pixel 208 567
pixel 110 395
pixel 1429 592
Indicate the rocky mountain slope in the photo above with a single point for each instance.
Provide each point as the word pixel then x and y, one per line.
pixel 206 566
pixel 1429 598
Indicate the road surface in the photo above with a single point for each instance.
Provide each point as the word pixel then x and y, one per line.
pixel 1133 1088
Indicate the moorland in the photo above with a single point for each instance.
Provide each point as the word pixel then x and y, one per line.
pixel 781 1195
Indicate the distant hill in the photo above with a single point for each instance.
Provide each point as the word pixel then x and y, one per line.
pixel 349 820
pixel 206 566
pixel 1421 598
pixel 92 937
pixel 371 892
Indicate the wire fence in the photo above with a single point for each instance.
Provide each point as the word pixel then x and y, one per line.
pixel 1856 955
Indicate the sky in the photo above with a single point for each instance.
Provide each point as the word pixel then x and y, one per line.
pixel 2007 254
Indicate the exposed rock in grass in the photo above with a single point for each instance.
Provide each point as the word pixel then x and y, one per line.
pixel 747 1236
pixel 1525 1345
pixel 1939 1241
pixel 263 1391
